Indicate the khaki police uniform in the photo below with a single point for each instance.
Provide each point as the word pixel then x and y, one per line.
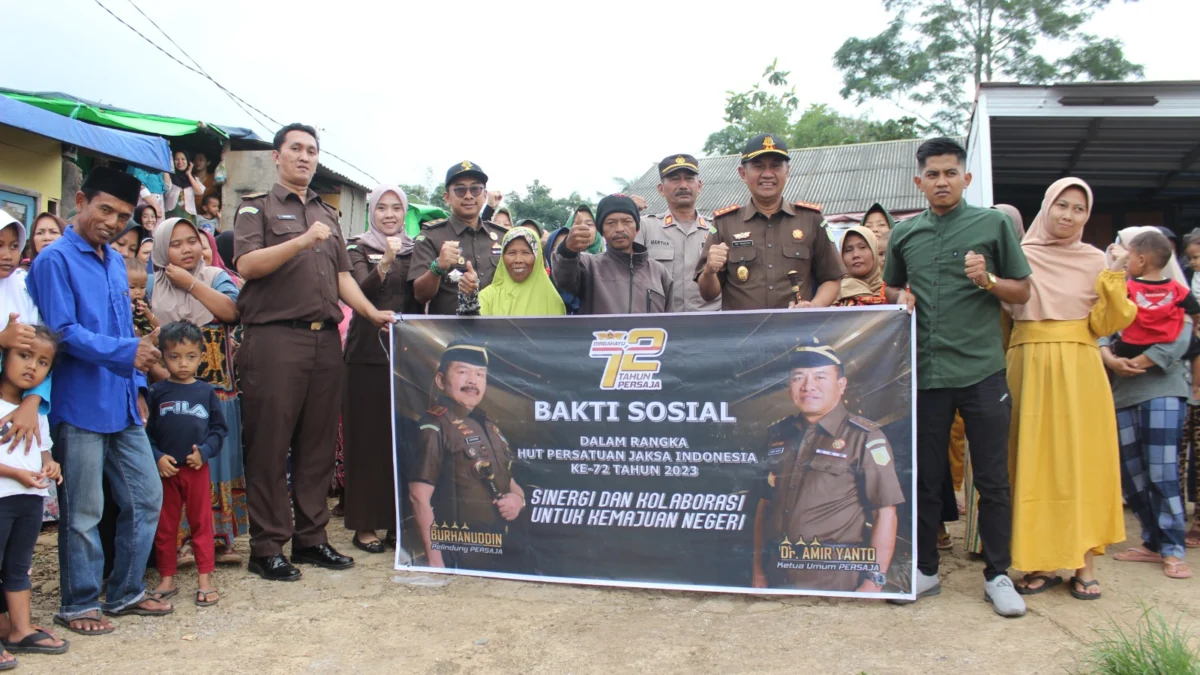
pixel 290 362
pixel 451 442
pixel 763 250
pixel 480 246
pixel 824 481
pixel 678 246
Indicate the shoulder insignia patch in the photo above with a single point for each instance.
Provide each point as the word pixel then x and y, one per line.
pixel 351 247
pixel 437 411
pixel 420 237
pixel 431 427
pixel 727 209
pixel 863 423
pixel 433 223
pixel 247 209
pixel 712 229
pixel 808 205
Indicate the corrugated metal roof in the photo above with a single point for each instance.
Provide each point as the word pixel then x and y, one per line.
pixel 842 178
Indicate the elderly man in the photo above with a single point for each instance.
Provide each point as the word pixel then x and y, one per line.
pixel 290 251
pixel 80 288
pixel 621 280
pixel 676 238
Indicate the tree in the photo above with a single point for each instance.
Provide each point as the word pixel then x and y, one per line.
pixel 937 60
pixel 539 205
pixel 771 107
pixel 429 194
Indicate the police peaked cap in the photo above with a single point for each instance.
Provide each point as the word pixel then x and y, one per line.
pixel 814 356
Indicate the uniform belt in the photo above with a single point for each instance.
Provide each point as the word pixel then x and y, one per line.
pixel 328 324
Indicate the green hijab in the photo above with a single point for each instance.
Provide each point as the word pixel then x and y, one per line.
pixel 597 246
pixel 536 296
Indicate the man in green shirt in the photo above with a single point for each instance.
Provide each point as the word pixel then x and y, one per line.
pixel 958 263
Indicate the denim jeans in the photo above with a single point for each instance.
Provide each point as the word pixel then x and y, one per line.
pixel 87 459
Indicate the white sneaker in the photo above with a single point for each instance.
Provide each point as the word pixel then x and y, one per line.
pixel 926 585
pixel 1004 597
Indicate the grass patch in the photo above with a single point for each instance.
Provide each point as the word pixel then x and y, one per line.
pixel 1151 646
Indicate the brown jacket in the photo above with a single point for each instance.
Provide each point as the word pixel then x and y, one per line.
pixel 364 340
pixel 614 282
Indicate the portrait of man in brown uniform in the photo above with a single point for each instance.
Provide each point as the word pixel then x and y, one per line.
pixel 827 516
pixel 461 487
pixel 769 253
pixel 288 247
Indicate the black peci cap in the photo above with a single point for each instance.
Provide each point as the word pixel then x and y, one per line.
pixel 764 144
pixel 461 352
pixel 119 184
pixel 465 169
pixel 675 163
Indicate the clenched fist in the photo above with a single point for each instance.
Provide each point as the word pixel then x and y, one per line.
pixel 580 238
pixel 718 255
pixel 976 268
pixel 449 255
pixel 317 233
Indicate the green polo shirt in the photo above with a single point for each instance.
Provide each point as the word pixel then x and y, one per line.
pixel 958 323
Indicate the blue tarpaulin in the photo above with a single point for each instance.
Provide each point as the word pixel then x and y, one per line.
pixel 150 152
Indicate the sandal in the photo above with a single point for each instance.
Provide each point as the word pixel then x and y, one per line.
pixel 10 663
pixel 1083 594
pixel 202 598
pixel 163 595
pixel 138 610
pixel 93 615
pixel 1048 582
pixel 1177 570
pixel 1192 539
pixel 29 644
pixel 228 557
pixel 186 556
pixel 1138 554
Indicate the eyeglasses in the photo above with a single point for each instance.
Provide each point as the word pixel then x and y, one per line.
pixel 461 191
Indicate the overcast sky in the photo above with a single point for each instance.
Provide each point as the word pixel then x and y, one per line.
pixel 572 93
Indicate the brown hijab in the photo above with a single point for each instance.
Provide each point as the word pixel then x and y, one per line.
pixel 1064 270
pixel 871 284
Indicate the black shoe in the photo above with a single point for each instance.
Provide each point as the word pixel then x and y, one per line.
pixel 273 568
pixel 322 555
pixel 373 547
pixel 390 540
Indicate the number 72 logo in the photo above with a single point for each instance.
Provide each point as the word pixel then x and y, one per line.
pixel 632 357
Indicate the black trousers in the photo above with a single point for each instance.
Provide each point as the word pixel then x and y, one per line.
pixel 986 408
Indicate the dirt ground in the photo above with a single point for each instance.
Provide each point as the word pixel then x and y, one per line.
pixel 371 619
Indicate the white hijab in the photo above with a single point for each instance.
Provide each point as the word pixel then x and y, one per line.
pixel 1172 270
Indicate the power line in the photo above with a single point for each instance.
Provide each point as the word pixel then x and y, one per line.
pixel 240 102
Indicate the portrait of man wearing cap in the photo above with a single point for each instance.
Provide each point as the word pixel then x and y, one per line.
pixel 830 481
pixel 676 237
pixel 461 478
pixel 622 279
pixel 769 253
pixel 446 248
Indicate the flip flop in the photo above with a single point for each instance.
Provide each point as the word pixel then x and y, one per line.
pixel 66 623
pixel 163 596
pixel 1080 595
pixel 202 598
pixel 1178 570
pixel 1138 554
pixel 1192 539
pixel 29 645
pixel 1048 582
pixel 9 664
pixel 138 610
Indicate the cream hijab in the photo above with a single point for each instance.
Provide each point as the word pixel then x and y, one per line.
pixel 1064 270
pixel 872 283
pixel 1172 270
pixel 168 302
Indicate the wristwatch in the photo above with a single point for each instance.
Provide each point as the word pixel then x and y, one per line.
pixel 878 578
pixel 991 282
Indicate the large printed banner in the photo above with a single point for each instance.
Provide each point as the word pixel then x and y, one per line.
pixel 759 452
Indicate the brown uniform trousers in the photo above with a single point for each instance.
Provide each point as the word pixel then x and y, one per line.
pixel 823 478
pixel 291 367
pixel 763 250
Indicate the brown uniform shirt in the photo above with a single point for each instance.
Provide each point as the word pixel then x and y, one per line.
pixel 480 247
pixel 304 288
pixel 763 250
pixel 822 480
pixel 393 293
pixel 450 443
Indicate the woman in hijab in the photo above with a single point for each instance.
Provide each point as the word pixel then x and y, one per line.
pixel 379 261
pixel 1014 217
pixel 582 214
pixel 129 239
pixel 1064 463
pixel 186 288
pixel 880 223
pixel 863 284
pixel 182 187
pixel 520 287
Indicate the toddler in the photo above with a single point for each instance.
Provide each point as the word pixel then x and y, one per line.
pixel 1162 302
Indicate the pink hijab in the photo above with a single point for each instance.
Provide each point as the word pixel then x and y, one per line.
pixel 374 237
pixel 1064 270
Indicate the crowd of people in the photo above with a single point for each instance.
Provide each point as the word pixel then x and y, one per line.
pixel 177 389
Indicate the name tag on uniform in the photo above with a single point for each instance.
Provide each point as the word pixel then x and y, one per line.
pixel 658 242
pixel 743 242
pixel 473 439
pixel 777 448
pixel 285 216
pixel 496 250
pixel 831 453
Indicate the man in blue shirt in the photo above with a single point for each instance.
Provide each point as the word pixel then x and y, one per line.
pixel 80 287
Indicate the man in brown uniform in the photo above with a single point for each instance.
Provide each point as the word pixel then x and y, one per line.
pixel 769 253
pixel 462 492
pixel 445 248
pixel 289 249
pixel 825 469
